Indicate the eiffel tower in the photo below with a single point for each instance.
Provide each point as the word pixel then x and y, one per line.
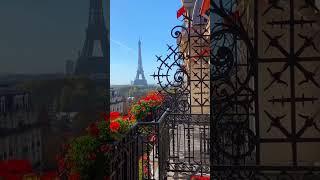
pixel 140 81
pixel 92 60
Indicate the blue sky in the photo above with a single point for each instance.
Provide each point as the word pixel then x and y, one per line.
pixel 150 20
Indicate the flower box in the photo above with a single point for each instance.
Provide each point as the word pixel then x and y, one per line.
pixel 146 109
pixel 151 116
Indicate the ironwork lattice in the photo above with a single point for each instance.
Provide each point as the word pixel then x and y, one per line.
pixel 264 89
pixel 185 79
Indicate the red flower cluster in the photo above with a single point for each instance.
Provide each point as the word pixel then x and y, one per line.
pixel 200 178
pixel 74 176
pixel 147 104
pixel 153 138
pixel 15 166
pixel 145 170
pixel 114 126
pixel 153 99
pixel 114 115
pixel 110 117
pixel 153 96
pixel 49 175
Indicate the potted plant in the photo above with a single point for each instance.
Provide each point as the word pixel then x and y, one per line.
pixel 89 156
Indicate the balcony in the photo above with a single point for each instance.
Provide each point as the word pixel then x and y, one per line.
pixel 164 147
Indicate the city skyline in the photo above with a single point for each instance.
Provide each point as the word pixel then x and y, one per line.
pixel 153 30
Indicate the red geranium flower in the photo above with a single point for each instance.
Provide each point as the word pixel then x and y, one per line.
pixel 105 116
pixel 145 157
pixel 145 170
pixel 74 176
pixel 132 117
pixel 153 138
pixel 126 118
pixel 200 178
pixel 114 115
pixel 93 130
pixel 114 126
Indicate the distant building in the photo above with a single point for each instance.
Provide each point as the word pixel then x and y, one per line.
pixel 69 67
pixel 130 101
pixel 20 134
pixel 118 103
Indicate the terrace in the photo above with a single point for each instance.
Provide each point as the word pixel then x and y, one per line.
pixel 238 135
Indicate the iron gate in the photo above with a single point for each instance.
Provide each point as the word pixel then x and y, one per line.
pixel 264 89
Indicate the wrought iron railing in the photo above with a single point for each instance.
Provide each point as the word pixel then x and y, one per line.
pixel 143 152
pixel 183 74
pixel 166 147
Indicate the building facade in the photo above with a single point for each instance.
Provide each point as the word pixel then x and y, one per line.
pixel 268 91
pixel 118 103
pixel 20 136
pixel 194 44
pixel 273 96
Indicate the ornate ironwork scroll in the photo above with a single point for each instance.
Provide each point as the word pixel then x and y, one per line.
pixel 184 78
pixel 264 89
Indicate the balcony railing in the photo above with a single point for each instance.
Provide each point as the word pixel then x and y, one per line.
pixel 152 150
pixel 143 152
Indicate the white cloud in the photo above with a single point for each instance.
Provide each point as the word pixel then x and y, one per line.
pixel 123 46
